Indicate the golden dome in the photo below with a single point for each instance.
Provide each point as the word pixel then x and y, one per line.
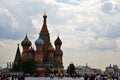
pixel 50 48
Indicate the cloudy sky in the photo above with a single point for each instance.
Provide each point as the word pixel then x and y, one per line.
pixel 89 29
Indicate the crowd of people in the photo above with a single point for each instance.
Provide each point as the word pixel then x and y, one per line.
pixel 95 77
pixel 12 77
pixel 84 77
pixel 87 77
pixel 21 76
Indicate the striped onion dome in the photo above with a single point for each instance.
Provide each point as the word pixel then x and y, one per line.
pixel 26 42
pixel 58 41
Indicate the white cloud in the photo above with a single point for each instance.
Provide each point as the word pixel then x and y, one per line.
pixel 103 44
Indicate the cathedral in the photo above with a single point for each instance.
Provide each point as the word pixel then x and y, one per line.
pixel 46 56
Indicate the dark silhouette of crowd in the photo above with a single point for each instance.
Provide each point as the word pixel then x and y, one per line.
pixel 12 76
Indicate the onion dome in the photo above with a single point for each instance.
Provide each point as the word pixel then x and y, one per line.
pixel 50 48
pixel 39 42
pixel 26 42
pixel 58 41
pixel 31 50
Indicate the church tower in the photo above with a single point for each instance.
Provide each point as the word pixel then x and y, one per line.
pixel 58 54
pixel 18 56
pixel 51 55
pixel 44 33
pixel 17 61
pixel 39 56
pixel 26 43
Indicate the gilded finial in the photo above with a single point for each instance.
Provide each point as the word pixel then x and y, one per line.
pixel 45 14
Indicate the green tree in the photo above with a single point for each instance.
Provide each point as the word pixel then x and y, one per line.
pixel 17 66
pixel 71 69
pixel 29 65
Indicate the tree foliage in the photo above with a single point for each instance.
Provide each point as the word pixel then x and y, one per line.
pixel 29 65
pixel 71 69
pixel 17 66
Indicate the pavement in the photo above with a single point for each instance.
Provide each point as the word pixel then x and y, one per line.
pixel 47 78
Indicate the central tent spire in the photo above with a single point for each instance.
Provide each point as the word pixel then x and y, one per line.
pixel 44 33
pixel 44 27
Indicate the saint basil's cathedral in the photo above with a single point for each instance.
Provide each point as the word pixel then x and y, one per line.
pixel 45 54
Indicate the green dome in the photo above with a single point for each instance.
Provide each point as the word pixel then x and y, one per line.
pixel 26 42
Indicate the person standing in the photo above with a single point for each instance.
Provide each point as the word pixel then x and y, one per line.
pixel 21 77
pixel 98 77
pixel 51 76
pixel 1 77
pixel 12 77
pixel 92 77
pixel 86 77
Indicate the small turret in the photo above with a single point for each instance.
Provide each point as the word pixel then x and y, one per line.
pixel 17 61
pixel 31 50
pixel 18 56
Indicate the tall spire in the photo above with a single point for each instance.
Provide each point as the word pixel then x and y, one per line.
pixel 18 56
pixel 44 27
pixel 44 33
pixel 17 62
